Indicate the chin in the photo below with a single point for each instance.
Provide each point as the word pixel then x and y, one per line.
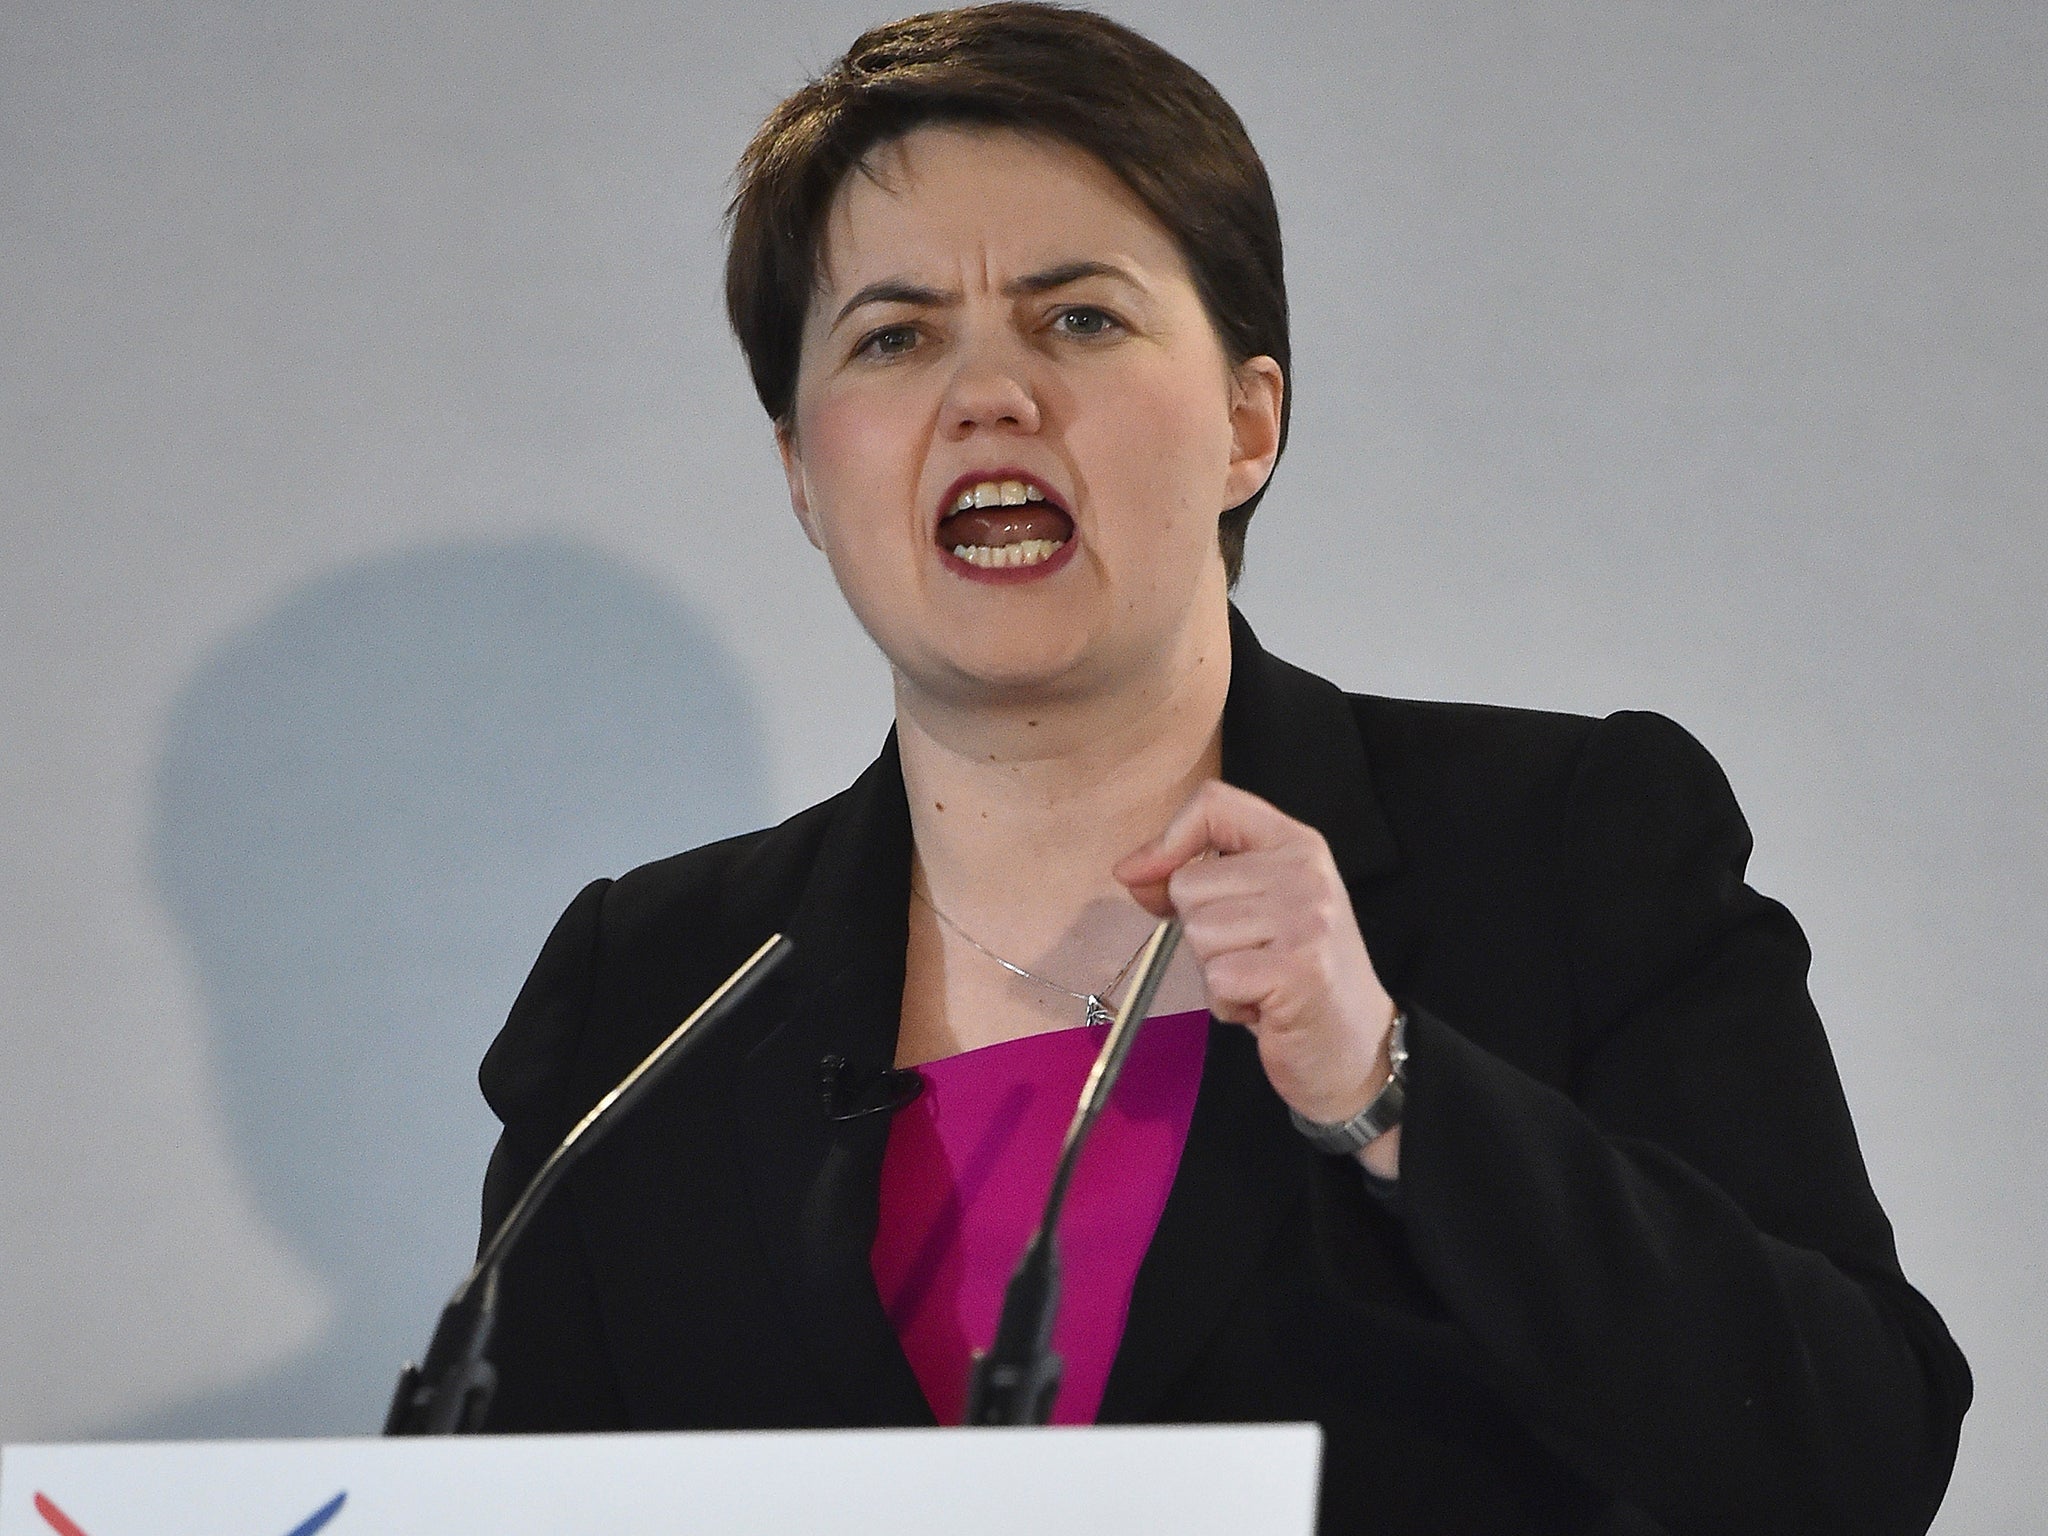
pixel 1018 651
pixel 965 664
pixel 1013 673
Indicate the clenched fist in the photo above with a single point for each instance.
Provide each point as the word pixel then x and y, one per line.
pixel 1266 914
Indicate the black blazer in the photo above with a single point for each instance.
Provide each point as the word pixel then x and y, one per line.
pixel 1637 1280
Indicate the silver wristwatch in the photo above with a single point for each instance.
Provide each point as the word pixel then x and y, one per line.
pixel 1345 1137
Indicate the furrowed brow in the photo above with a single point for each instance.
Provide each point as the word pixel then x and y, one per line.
pixel 891 291
pixel 1068 272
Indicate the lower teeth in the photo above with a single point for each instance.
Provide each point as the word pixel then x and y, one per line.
pixel 989 557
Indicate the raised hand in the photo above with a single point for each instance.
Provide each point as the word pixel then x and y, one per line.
pixel 1269 920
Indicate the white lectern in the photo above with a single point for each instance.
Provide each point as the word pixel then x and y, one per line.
pixel 1209 1480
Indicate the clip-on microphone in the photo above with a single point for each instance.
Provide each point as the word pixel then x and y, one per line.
pixel 1016 1379
pixel 449 1393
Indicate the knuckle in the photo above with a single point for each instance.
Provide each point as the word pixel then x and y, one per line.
pixel 1224 974
pixel 1334 916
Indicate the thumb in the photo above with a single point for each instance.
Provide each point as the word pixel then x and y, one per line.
pixel 1149 894
pixel 1144 871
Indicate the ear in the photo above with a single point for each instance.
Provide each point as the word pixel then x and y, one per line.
pixel 1257 390
pixel 799 488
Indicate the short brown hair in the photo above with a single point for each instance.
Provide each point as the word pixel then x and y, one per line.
pixel 1044 69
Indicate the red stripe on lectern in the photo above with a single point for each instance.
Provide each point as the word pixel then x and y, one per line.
pixel 59 1521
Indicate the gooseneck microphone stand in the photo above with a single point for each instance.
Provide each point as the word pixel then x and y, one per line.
pixel 449 1392
pixel 1017 1378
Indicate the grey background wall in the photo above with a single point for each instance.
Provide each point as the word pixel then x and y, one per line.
pixel 392 543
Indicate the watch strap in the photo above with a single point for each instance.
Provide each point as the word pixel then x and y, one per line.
pixel 1343 1137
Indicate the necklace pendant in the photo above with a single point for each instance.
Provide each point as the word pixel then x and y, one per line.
pixel 1096 1012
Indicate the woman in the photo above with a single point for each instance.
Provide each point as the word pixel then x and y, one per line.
pixel 1009 282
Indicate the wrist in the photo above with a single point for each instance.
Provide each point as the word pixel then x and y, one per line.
pixel 1381 1113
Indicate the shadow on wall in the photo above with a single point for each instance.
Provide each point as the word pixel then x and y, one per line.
pixel 371 807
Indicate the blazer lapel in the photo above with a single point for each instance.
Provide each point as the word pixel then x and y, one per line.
pixel 1291 738
pixel 815 1180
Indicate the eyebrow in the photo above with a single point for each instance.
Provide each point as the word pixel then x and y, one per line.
pixel 897 291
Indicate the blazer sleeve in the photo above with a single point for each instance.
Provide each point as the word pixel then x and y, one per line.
pixel 1675 1264
pixel 553 1364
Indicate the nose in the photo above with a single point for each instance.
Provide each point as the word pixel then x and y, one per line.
pixel 991 388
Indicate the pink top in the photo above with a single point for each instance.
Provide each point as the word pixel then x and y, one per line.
pixel 965 1177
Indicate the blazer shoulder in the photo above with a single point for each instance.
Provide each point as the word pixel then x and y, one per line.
pixel 1468 773
pixel 1622 831
pixel 1619 808
pixel 736 884
pixel 736 889
pixel 1494 754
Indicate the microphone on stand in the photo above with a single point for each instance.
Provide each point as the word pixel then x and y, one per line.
pixel 1016 1379
pixel 449 1392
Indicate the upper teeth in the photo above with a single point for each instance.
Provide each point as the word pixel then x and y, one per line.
pixel 997 493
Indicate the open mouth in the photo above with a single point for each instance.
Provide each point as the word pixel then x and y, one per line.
pixel 1004 523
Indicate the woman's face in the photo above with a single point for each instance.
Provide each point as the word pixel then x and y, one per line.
pixel 1015 426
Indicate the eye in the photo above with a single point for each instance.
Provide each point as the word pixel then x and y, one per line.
pixel 889 341
pixel 1084 320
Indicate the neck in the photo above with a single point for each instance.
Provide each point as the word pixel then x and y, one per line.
pixel 1020 806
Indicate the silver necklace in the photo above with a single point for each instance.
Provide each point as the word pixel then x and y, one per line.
pixel 1093 1009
